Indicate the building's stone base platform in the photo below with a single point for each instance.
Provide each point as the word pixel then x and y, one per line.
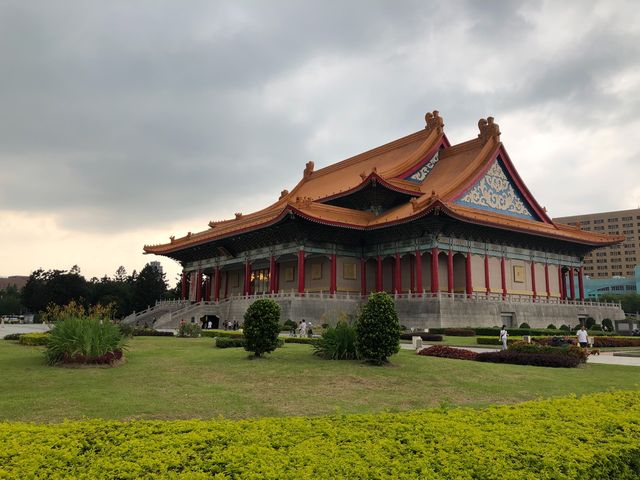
pixel 413 312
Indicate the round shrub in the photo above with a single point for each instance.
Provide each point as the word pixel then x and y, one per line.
pixel 378 329
pixel 337 343
pixel 607 323
pixel 262 326
pixel 551 326
pixel 565 328
pixel 590 322
pixel 524 325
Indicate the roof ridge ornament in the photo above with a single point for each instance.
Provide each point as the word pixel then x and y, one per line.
pixel 283 194
pixel 238 215
pixel 308 169
pixel 434 121
pixel 488 128
pixel 303 201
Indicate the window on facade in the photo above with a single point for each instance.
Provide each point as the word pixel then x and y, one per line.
pixel 630 259
pixel 601 254
pixel 599 228
pixel 628 245
pixel 602 267
pixel 627 232
pixel 611 220
pixel 601 220
pixel 612 227
pixel 627 225
pixel 617 274
pixel 627 218
pixel 631 288
pixel 617 287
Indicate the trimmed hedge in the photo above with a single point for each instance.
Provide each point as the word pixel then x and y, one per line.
pixel 534 359
pixel 567 438
pixel 496 340
pixel 304 340
pixel 443 351
pixel 429 337
pixel 222 333
pixel 13 336
pixel 543 332
pixel 227 342
pixel 34 339
pixel 616 342
pixel 149 332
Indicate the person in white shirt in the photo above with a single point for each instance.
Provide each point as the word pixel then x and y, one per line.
pixel 503 337
pixel 583 337
pixel 303 328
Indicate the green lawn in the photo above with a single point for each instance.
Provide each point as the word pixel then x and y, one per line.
pixel 174 378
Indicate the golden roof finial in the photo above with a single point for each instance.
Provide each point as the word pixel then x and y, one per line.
pixel 488 128
pixel 434 121
pixel 308 169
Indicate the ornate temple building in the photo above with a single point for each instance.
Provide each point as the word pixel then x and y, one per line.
pixel 450 230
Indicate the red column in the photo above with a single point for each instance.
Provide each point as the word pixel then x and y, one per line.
pixel 435 280
pixel 572 287
pixel 561 282
pixel 469 280
pixel 199 286
pixel 503 277
pixel 581 283
pixel 301 271
pixel 379 275
pixel 183 292
pixel 277 277
pixel 418 271
pixel 546 279
pixel 533 279
pixel 412 274
pixel 487 280
pixel 363 276
pixel 450 271
pixel 332 280
pixel 398 275
pixel 272 274
pixel 247 277
pixel 216 288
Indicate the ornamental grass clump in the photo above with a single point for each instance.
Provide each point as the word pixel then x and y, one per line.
pixel 84 340
pixel 337 343
pixel 189 330
pixel 378 329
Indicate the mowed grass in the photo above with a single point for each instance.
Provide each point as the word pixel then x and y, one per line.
pixel 176 378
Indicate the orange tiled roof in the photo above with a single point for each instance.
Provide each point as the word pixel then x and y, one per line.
pixel 456 170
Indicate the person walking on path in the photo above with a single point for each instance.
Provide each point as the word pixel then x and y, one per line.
pixel 303 328
pixel 503 337
pixel 583 337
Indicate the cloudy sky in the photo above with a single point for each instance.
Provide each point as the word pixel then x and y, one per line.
pixel 122 123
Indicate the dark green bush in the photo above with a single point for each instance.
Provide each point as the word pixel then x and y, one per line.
pixel 262 326
pixel 551 326
pixel 303 340
pixel 535 359
pixel 607 323
pixel 290 325
pixel 524 325
pixel 226 342
pixel 222 333
pixel 429 337
pixel 596 328
pixel 565 327
pixel 378 329
pixel 337 343
pixel 590 322
pixel 189 330
pixel 84 340
pixel 13 336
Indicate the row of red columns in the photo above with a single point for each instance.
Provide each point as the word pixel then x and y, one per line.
pixel 416 277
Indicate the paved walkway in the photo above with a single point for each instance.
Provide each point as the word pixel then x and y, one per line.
pixel 8 329
pixel 606 358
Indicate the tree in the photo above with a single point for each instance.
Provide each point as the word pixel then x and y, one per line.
pixel 10 301
pixel 378 329
pixel 148 287
pixel 262 326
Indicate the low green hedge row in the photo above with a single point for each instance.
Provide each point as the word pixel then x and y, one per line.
pixel 496 341
pixel 228 342
pixel 13 336
pixel 595 436
pixel 304 340
pixel 34 339
pixel 222 333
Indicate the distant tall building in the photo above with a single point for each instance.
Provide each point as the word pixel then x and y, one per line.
pixel 612 260
pixel 156 265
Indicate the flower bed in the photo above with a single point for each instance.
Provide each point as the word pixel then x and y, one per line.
pixel 443 351
pixel 616 342
pixel 534 359
pixel 549 439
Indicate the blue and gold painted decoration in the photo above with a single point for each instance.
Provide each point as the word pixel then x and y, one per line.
pixel 421 173
pixel 496 192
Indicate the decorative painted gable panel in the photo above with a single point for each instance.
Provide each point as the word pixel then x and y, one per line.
pixel 421 173
pixel 496 192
